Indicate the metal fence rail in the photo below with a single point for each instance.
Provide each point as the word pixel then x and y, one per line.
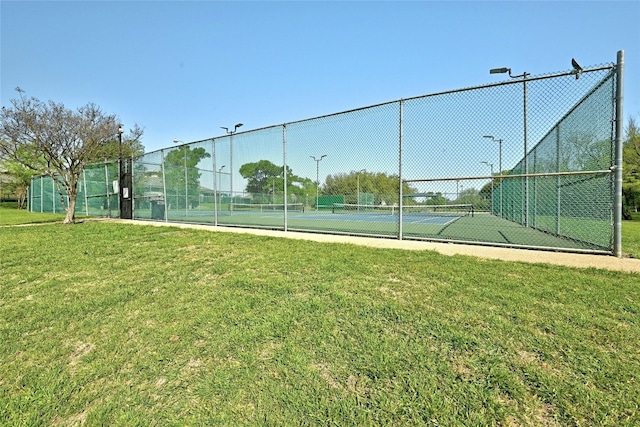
pixel 534 156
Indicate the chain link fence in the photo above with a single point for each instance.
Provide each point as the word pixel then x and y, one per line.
pixel 526 162
pixel 97 192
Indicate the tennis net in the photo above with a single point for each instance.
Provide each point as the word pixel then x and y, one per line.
pixel 266 207
pixel 457 210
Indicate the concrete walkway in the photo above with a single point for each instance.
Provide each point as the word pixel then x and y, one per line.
pixel 506 254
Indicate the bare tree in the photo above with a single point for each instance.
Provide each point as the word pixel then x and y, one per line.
pixel 56 141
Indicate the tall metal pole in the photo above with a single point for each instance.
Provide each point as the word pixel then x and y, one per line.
pixel 524 75
pixel 186 191
pixel 358 188
pixel 500 162
pixel 231 172
pixel 164 187
pixel 318 177
pixel 120 174
pixel 558 181
pixel 186 188
pixel 284 171
pixel 619 117
pixel 317 180
pixel 499 141
pixel 218 193
pixel 215 182
pixel 526 154
pixel 400 155
pixel 491 167
pixel 230 133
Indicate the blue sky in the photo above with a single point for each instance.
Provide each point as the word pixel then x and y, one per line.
pixel 183 69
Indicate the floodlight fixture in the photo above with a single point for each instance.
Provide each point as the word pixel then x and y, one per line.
pixel 230 133
pixel 504 70
pixel 500 70
pixel 235 128
pixel 522 76
pixel 575 65
pixel 577 69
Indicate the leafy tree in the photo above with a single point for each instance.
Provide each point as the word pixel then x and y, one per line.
pixel 631 169
pixel 49 138
pixel 182 174
pixel 470 196
pixel 19 180
pixel 265 180
pixel 110 149
pixel 301 187
pixel 436 198
pixel 261 176
pixel 384 187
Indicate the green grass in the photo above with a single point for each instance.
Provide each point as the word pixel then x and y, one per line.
pixel 115 324
pixel 631 236
pixel 9 216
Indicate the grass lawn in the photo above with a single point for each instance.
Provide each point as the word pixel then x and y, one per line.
pixel 631 236
pixel 9 216
pixel 116 324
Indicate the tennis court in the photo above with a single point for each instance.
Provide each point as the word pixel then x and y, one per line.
pixel 537 159
pixel 273 213
pixel 453 223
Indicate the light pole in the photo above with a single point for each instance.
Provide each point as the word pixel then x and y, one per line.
pixel 121 199
pixel 218 182
pixel 525 159
pixel 358 186
pixel 499 141
pixel 186 192
pixel 230 133
pixel 490 166
pixel 317 176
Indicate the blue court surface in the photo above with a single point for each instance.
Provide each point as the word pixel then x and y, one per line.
pixel 407 218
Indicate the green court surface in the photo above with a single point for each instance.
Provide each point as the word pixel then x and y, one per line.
pixel 481 227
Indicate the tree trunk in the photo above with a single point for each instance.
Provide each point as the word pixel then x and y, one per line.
pixel 71 210
pixel 22 199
